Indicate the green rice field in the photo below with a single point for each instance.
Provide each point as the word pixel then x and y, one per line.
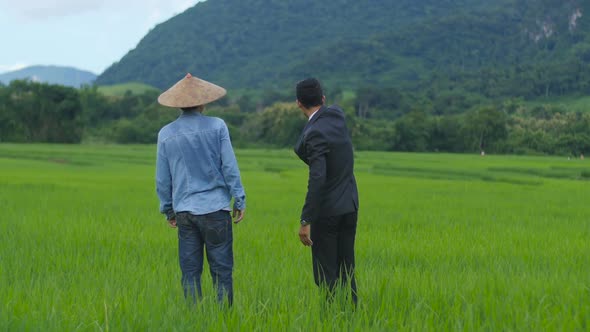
pixel 444 243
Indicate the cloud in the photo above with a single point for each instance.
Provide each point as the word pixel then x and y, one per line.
pixel 13 67
pixel 43 10
pixel 159 10
pixel 181 5
pixel 36 10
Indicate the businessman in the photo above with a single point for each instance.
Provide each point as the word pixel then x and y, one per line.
pixel 329 215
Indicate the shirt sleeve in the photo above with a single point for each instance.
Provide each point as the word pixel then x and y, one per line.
pixel 164 182
pixel 230 170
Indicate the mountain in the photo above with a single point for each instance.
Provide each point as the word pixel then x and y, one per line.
pixel 242 43
pixel 67 76
pixel 471 45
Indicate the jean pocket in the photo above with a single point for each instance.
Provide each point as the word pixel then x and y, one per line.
pixel 186 229
pixel 182 219
pixel 218 231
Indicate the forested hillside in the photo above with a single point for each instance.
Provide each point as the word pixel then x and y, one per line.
pixel 500 48
pixel 256 43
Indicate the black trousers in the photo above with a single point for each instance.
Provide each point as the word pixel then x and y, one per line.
pixel 333 252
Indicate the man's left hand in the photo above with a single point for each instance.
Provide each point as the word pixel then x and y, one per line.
pixel 304 235
pixel 172 223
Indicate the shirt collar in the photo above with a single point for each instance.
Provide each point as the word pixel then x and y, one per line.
pixel 312 114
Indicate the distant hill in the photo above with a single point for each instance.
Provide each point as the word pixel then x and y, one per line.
pixel 494 48
pixel 254 43
pixel 67 76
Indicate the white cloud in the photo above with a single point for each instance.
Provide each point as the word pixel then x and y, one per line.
pixel 181 5
pixel 43 10
pixel 13 67
pixel 154 17
pixel 158 10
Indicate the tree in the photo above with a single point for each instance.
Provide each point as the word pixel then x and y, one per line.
pixel 484 128
pixel 412 132
pixel 445 135
pixel 279 125
pixel 372 98
pixel 43 113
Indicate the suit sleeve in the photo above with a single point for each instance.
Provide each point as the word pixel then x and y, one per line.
pixel 316 147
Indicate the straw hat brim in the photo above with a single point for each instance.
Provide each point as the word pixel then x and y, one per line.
pixel 190 92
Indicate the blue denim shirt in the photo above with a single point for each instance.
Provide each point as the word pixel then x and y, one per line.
pixel 196 168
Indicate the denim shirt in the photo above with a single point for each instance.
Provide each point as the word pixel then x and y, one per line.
pixel 196 168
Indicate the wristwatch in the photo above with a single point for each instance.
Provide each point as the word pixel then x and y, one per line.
pixel 305 223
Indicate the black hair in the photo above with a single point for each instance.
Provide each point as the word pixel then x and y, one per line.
pixel 192 109
pixel 310 93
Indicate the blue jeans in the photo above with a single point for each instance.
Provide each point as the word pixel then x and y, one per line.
pixel 213 232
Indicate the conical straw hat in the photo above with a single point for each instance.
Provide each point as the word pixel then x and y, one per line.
pixel 191 91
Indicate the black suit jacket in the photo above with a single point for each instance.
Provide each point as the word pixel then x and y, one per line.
pixel 326 148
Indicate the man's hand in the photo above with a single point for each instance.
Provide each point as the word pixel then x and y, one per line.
pixel 238 215
pixel 304 235
pixel 172 223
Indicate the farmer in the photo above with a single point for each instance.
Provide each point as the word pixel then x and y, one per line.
pixel 329 216
pixel 196 177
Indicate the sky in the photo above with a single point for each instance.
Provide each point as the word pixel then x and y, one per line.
pixel 85 34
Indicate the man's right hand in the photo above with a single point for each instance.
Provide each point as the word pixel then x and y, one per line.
pixel 172 223
pixel 305 235
pixel 238 215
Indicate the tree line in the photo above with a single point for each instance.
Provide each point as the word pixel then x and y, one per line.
pixel 378 119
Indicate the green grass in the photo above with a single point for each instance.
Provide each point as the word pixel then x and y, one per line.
pixel 119 90
pixel 444 242
pixel 571 104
